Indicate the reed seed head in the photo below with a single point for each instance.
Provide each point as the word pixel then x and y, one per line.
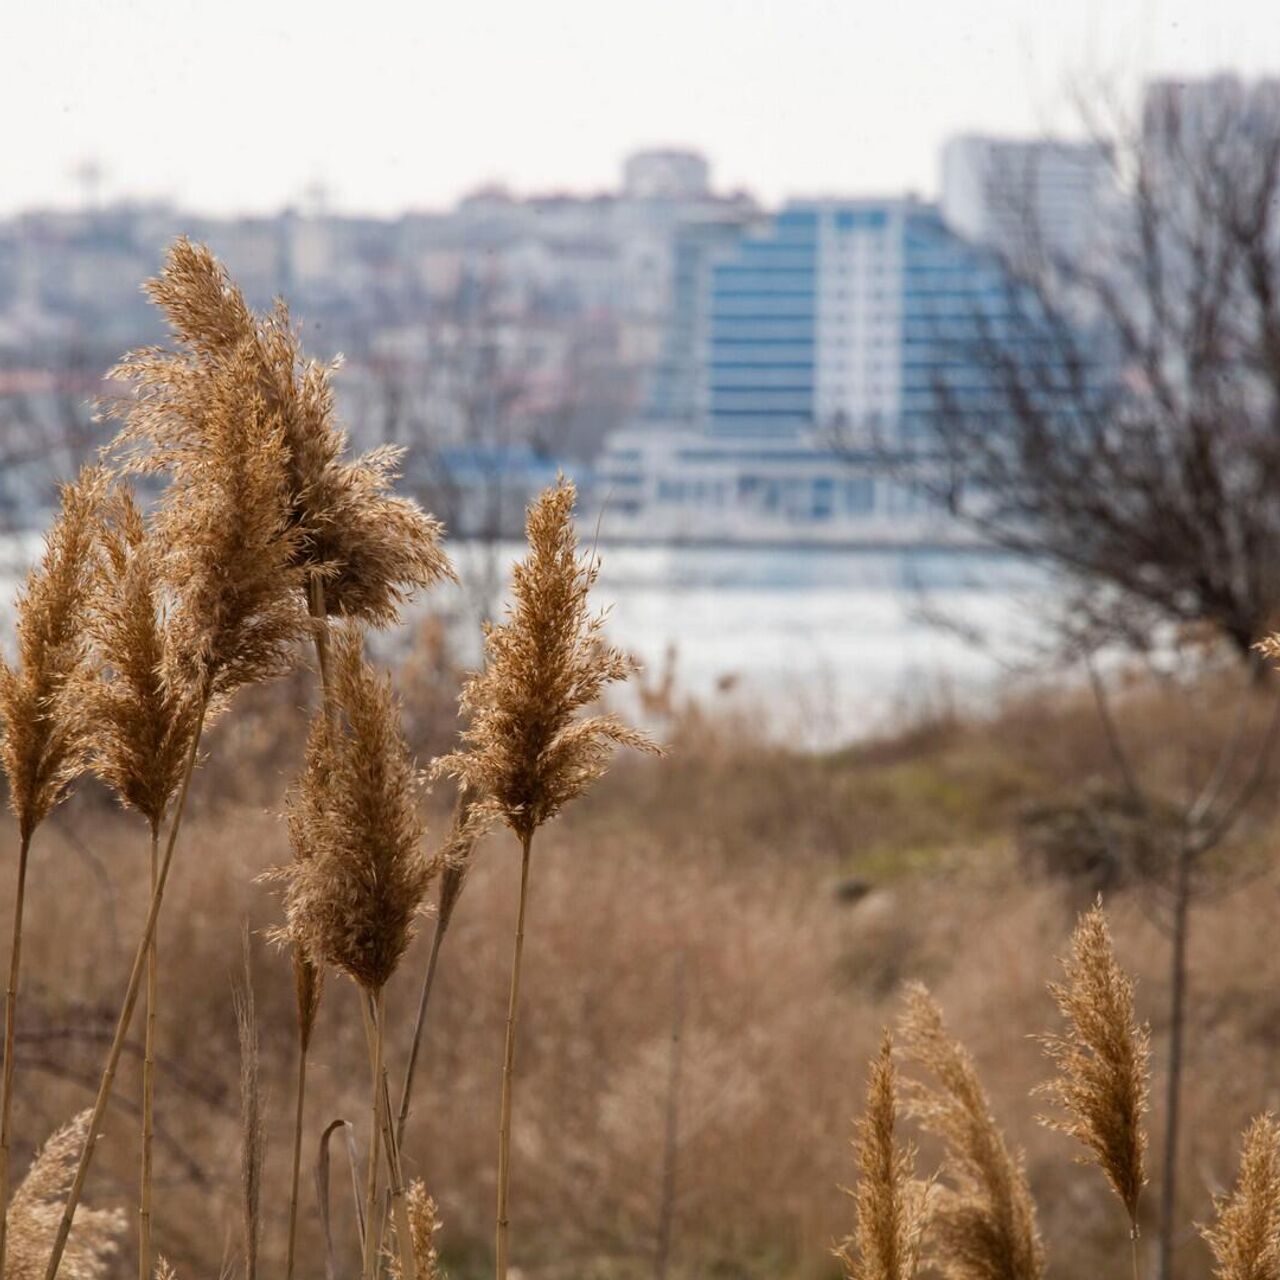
pixel 982 1220
pixel 230 545
pixel 44 736
pixel 1103 1061
pixel 526 750
pixel 35 1211
pixel 359 875
pixel 372 549
pixel 140 719
pixel 424 1222
pixel 889 1202
pixel 1245 1235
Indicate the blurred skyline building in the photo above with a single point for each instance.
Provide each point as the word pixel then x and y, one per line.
pixel 825 340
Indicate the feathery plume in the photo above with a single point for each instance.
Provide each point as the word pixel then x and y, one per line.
pixel 525 750
pixel 372 549
pixel 889 1201
pixel 1103 1061
pixel 43 725
pixel 351 901
pixel 982 1220
pixel 231 567
pixel 36 1207
pixel 43 743
pixel 140 722
pixel 231 548
pixel 1245 1235
pixel 424 1222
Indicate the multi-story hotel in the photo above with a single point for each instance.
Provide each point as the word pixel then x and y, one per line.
pixel 806 349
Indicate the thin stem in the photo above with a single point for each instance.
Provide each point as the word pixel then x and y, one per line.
pixel 375 1021
pixel 1133 1240
pixel 320 635
pixel 373 1232
pixel 297 1157
pixel 671 1139
pixel 127 1008
pixel 508 1064
pixel 419 1022
pixel 1173 1082
pixel 148 1078
pixel 10 1014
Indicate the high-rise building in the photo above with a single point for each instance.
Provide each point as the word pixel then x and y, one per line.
pixel 833 329
pixel 840 318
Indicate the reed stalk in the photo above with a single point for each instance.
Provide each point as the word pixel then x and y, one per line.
pixel 373 1229
pixel 297 1162
pixel 508 1064
pixel 419 1023
pixel 148 1079
pixel 373 1007
pixel 10 1016
pixel 107 1081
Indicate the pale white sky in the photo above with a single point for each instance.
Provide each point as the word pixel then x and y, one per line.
pixel 240 104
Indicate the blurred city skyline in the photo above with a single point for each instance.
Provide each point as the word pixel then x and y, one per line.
pixel 272 106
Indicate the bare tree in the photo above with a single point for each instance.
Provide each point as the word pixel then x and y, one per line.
pixel 1116 414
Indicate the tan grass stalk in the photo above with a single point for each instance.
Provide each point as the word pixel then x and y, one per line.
pixel 982 1220
pixel 42 748
pixel 252 1130
pixel 33 1214
pixel 1103 1061
pixel 351 901
pixel 149 1076
pixel 308 982
pixel 454 858
pixel 139 729
pixel 527 751
pixel 889 1202
pixel 1245 1234
pixel 107 1080
pixel 231 567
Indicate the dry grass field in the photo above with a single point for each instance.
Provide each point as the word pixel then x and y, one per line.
pixel 732 861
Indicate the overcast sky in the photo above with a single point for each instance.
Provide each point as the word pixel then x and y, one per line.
pixel 241 104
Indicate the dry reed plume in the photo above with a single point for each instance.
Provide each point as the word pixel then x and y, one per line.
pixel 34 1212
pixel 141 721
pixel 362 549
pixel 231 569
pixel 1245 1235
pixel 1103 1062
pixel 352 896
pixel 982 1220
pixel 526 751
pixel 43 725
pixel 424 1222
pixel 369 548
pixel 360 877
pixel 889 1202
